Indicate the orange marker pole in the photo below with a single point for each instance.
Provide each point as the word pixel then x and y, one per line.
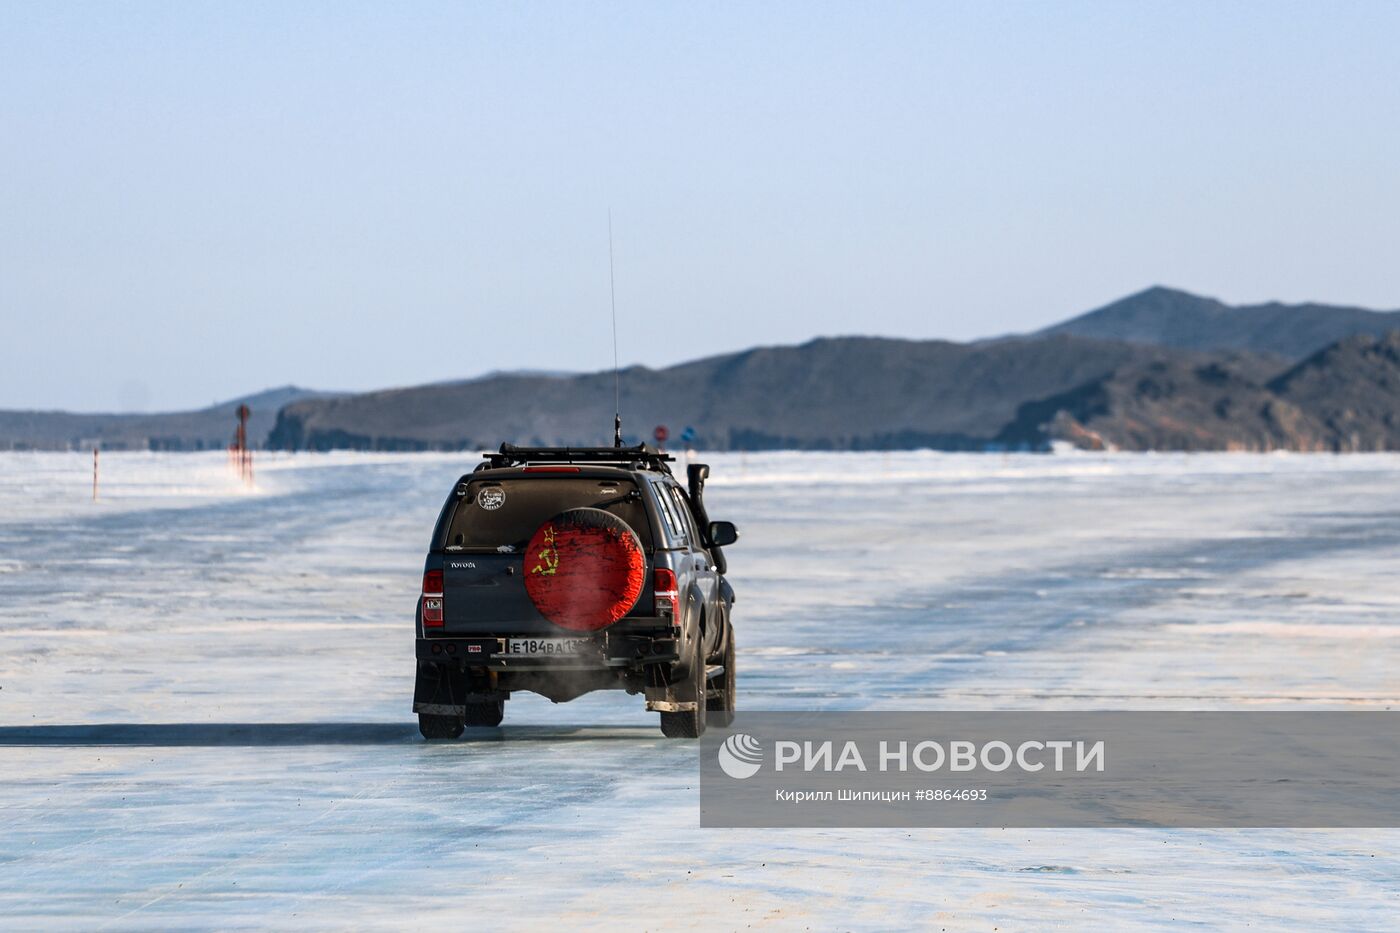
pixel 245 456
pixel 94 474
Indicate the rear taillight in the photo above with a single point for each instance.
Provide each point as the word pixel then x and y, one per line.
pixel 663 581
pixel 432 599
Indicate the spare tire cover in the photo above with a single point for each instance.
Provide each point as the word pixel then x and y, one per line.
pixel 584 569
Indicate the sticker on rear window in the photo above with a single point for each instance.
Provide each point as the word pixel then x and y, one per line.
pixel 491 498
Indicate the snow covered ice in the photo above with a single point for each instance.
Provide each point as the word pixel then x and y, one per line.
pixel 205 693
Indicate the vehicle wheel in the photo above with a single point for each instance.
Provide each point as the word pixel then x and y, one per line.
pixel 689 724
pixel 439 727
pixel 489 713
pixel 720 709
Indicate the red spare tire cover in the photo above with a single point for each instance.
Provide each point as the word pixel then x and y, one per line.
pixel 584 569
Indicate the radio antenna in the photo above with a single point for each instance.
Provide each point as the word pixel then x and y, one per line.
pixel 617 378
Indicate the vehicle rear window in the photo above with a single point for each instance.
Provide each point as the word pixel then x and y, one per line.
pixel 673 524
pixel 504 513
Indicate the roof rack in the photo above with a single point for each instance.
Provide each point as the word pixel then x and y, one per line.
pixel 643 455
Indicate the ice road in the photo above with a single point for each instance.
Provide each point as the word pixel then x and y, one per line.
pixel 205 694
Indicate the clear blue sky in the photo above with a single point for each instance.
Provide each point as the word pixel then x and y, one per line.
pixel 199 200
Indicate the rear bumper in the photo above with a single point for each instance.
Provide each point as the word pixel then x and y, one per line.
pixel 631 643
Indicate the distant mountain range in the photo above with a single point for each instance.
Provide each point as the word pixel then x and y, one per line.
pixel 205 429
pixel 1161 369
pixel 837 393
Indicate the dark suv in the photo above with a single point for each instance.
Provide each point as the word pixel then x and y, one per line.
pixel 567 570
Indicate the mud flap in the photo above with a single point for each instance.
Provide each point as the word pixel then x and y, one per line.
pixel 673 698
pixel 443 690
pixel 439 690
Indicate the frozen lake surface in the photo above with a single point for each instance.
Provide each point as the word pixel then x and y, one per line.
pixel 205 694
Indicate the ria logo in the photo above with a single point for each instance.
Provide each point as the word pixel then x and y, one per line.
pixel 741 756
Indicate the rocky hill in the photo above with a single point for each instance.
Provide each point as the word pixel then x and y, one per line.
pixel 1344 398
pixel 1353 389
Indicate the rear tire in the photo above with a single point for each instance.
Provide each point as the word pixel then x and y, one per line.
pixel 488 714
pixel 435 727
pixel 689 724
pixel 720 709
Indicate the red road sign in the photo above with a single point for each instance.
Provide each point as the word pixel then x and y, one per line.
pixel 661 434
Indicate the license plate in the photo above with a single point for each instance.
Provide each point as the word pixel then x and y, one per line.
pixel 547 647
